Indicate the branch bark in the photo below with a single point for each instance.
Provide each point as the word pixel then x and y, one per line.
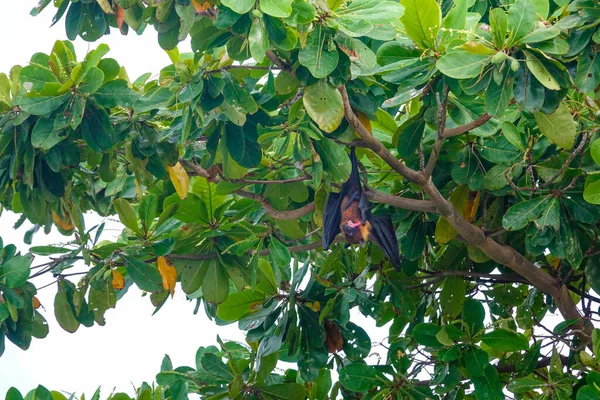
pixel 473 234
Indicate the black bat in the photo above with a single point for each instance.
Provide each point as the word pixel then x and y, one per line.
pixel 349 211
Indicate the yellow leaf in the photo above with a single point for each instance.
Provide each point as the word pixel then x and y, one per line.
pixel 466 202
pixel 118 282
pixel 63 223
pixel 315 306
pixel 200 7
pixel 36 303
pixel 365 121
pixel 472 206
pixel 106 7
pixel 180 179
pixel 168 274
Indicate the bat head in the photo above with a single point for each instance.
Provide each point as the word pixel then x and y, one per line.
pixel 353 232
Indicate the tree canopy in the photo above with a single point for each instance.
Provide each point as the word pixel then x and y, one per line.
pixel 476 126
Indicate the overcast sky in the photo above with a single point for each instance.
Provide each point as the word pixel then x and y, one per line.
pixel 129 349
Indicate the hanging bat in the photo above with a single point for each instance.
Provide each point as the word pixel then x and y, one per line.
pixel 349 211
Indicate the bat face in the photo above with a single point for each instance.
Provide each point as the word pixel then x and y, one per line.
pixel 352 233
pixel 349 212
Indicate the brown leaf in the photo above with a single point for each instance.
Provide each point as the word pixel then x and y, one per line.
pixel 180 179
pixel 168 274
pixel 472 206
pixel 36 303
pixel 334 339
pixel 200 7
pixel 118 282
pixel 364 120
pixel 63 223
pixel 120 17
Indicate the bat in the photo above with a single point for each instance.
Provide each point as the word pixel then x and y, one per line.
pixel 349 211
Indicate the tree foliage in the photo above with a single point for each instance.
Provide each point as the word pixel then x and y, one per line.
pixel 476 124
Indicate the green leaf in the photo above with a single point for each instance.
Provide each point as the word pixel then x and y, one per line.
pixel 488 387
pixel 115 93
pixel 213 364
pixel 413 242
pixel 287 391
pixel 498 96
pixel 592 273
pixel 240 304
pixel 473 315
pixel 523 385
pixel 360 377
pixel 92 80
pixel 13 394
pixel 239 6
pixel 279 253
pixel 317 55
pixel 476 361
pixel 215 285
pixel 44 136
pixel 591 191
pixel 512 134
pixel 558 127
pixel 97 130
pixel 63 310
pixel 258 40
pixel 540 72
pixel 41 105
pixel 462 65
pixel 409 136
pixel 16 271
pixel 277 8
pixel 422 19
pixel 242 146
pixel 588 392
pixel 127 215
pixel 504 340
pixel 145 276
pixel 147 209
pixel 425 334
pixel 324 105
pixel 237 96
pixel 518 216
pixel 499 151
pixel 453 295
pixel 521 19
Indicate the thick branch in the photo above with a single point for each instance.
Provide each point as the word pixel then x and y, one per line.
pixel 277 214
pixel 459 130
pixel 472 234
pixel 269 209
pixel 401 202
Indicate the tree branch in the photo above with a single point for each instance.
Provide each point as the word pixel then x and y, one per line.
pixel 269 209
pixel 459 130
pixel 401 202
pixel 568 161
pixel 472 234
pixel 277 214
pixel 442 108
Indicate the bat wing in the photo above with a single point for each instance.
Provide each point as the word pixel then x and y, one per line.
pixel 331 219
pixel 384 235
